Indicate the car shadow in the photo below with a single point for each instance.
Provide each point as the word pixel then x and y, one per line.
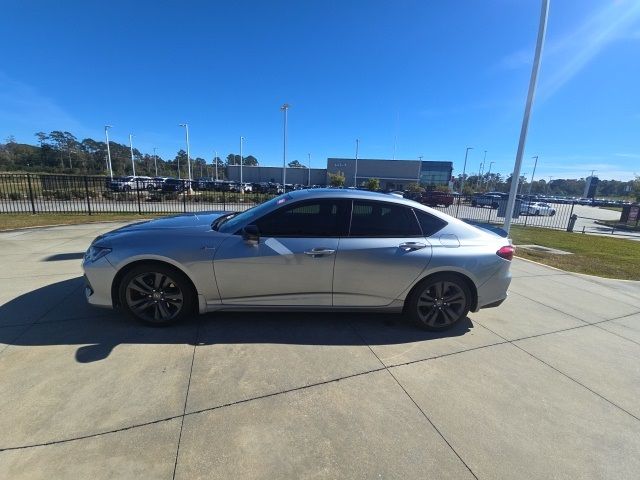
pixel 39 318
pixel 64 256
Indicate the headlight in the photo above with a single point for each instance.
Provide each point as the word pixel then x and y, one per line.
pixel 94 253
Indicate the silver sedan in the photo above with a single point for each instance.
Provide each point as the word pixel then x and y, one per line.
pixel 316 249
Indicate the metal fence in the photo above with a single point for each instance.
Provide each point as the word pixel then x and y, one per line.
pixel 40 193
pixel 43 193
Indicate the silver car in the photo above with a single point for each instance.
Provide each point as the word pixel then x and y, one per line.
pixel 317 249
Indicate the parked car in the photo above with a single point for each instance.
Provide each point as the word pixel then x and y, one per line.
pixel 158 182
pixel 537 208
pixel 126 184
pixel 435 198
pixel 329 250
pixel 175 185
pixel 486 200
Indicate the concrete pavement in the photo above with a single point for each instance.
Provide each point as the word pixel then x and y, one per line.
pixel 545 386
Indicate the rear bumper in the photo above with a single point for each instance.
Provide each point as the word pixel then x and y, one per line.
pixel 494 291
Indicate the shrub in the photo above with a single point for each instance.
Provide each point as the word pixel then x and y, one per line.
pixel 15 196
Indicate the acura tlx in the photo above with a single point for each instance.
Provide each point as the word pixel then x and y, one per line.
pixel 319 249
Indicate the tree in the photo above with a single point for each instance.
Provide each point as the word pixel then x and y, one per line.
pixel 250 160
pixel 336 179
pixel 372 184
pixel 415 188
pixel 296 164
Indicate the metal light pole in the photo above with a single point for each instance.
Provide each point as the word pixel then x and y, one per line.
pixel 309 180
pixel 106 134
pixel 186 129
pixel 155 160
pixel 215 160
pixel 542 31
pixel 484 159
pixel 241 141
pixel 489 174
pixel 549 184
pixel 534 173
pixel 133 164
pixel 464 169
pixel 284 108
pixel 355 174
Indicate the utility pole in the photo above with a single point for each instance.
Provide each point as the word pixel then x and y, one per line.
pixel 534 173
pixel 155 160
pixel 309 180
pixel 542 31
pixel 241 185
pixel 215 160
pixel 284 108
pixel 106 134
pixel 133 164
pixel 355 174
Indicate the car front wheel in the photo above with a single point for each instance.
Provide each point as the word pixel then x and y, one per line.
pixel 439 302
pixel 156 294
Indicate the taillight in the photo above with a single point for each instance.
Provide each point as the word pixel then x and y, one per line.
pixel 506 252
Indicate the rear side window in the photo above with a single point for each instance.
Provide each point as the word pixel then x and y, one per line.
pixel 380 219
pixel 429 223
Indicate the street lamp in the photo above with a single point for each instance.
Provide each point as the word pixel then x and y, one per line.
pixel 533 174
pixel 489 174
pixel 309 180
pixel 155 160
pixel 484 159
pixel 241 186
pixel 464 169
pixel 355 175
pixel 106 134
pixel 215 160
pixel 186 129
pixel 284 108
pixel 133 164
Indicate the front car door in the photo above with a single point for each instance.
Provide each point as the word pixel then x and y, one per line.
pixel 292 264
pixel 383 255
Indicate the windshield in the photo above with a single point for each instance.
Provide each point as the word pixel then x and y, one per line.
pixel 232 224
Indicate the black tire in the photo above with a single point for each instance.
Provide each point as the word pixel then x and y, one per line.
pixel 156 294
pixel 552 213
pixel 427 306
pixel 474 203
pixel 126 188
pixel 537 212
pixel 494 206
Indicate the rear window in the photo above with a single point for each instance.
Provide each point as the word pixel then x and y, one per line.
pixel 428 223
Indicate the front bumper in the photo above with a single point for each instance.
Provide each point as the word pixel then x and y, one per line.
pixel 98 280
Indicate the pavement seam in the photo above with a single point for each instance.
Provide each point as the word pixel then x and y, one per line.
pixel 413 401
pixel 566 375
pixel 186 397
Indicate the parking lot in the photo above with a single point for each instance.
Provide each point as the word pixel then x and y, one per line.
pixel 545 386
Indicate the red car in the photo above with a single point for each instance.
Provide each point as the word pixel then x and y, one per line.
pixel 435 198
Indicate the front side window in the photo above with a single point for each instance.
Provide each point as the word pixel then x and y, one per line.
pixel 313 218
pixel 380 219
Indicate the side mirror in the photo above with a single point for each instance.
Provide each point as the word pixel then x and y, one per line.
pixel 251 235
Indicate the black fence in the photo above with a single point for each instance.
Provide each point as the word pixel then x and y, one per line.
pixel 42 193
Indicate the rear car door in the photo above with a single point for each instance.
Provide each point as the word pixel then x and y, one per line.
pixel 292 264
pixel 382 256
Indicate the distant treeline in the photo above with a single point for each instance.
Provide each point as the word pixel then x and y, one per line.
pixel 62 152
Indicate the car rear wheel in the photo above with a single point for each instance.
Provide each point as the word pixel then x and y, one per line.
pixel 439 302
pixel 156 294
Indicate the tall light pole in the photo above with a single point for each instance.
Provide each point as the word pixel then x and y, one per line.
pixel 284 108
pixel 484 159
pixel 534 173
pixel 155 160
pixel 186 129
pixel 241 142
pixel 464 169
pixel 133 163
pixel 549 184
pixel 542 31
pixel 309 180
pixel 489 174
pixel 355 174
pixel 106 134
pixel 215 160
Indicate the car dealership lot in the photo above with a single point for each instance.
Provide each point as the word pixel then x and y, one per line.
pixel 544 386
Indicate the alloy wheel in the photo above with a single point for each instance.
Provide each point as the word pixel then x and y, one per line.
pixel 154 297
pixel 441 304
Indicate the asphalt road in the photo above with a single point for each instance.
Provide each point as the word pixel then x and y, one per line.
pixel 545 386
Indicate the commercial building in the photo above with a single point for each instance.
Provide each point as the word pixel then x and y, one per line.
pixel 393 174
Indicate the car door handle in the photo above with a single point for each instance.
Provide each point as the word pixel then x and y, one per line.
pixel 319 252
pixel 410 246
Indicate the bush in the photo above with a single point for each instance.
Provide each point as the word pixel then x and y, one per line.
pixel 15 196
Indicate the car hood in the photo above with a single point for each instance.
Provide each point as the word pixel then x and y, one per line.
pixel 180 222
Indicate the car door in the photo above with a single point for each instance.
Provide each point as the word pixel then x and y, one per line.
pixel 292 263
pixel 382 256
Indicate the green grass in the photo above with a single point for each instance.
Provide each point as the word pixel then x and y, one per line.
pixel 11 221
pixel 592 254
pixel 615 209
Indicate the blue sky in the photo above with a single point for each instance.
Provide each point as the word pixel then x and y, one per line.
pixel 439 76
